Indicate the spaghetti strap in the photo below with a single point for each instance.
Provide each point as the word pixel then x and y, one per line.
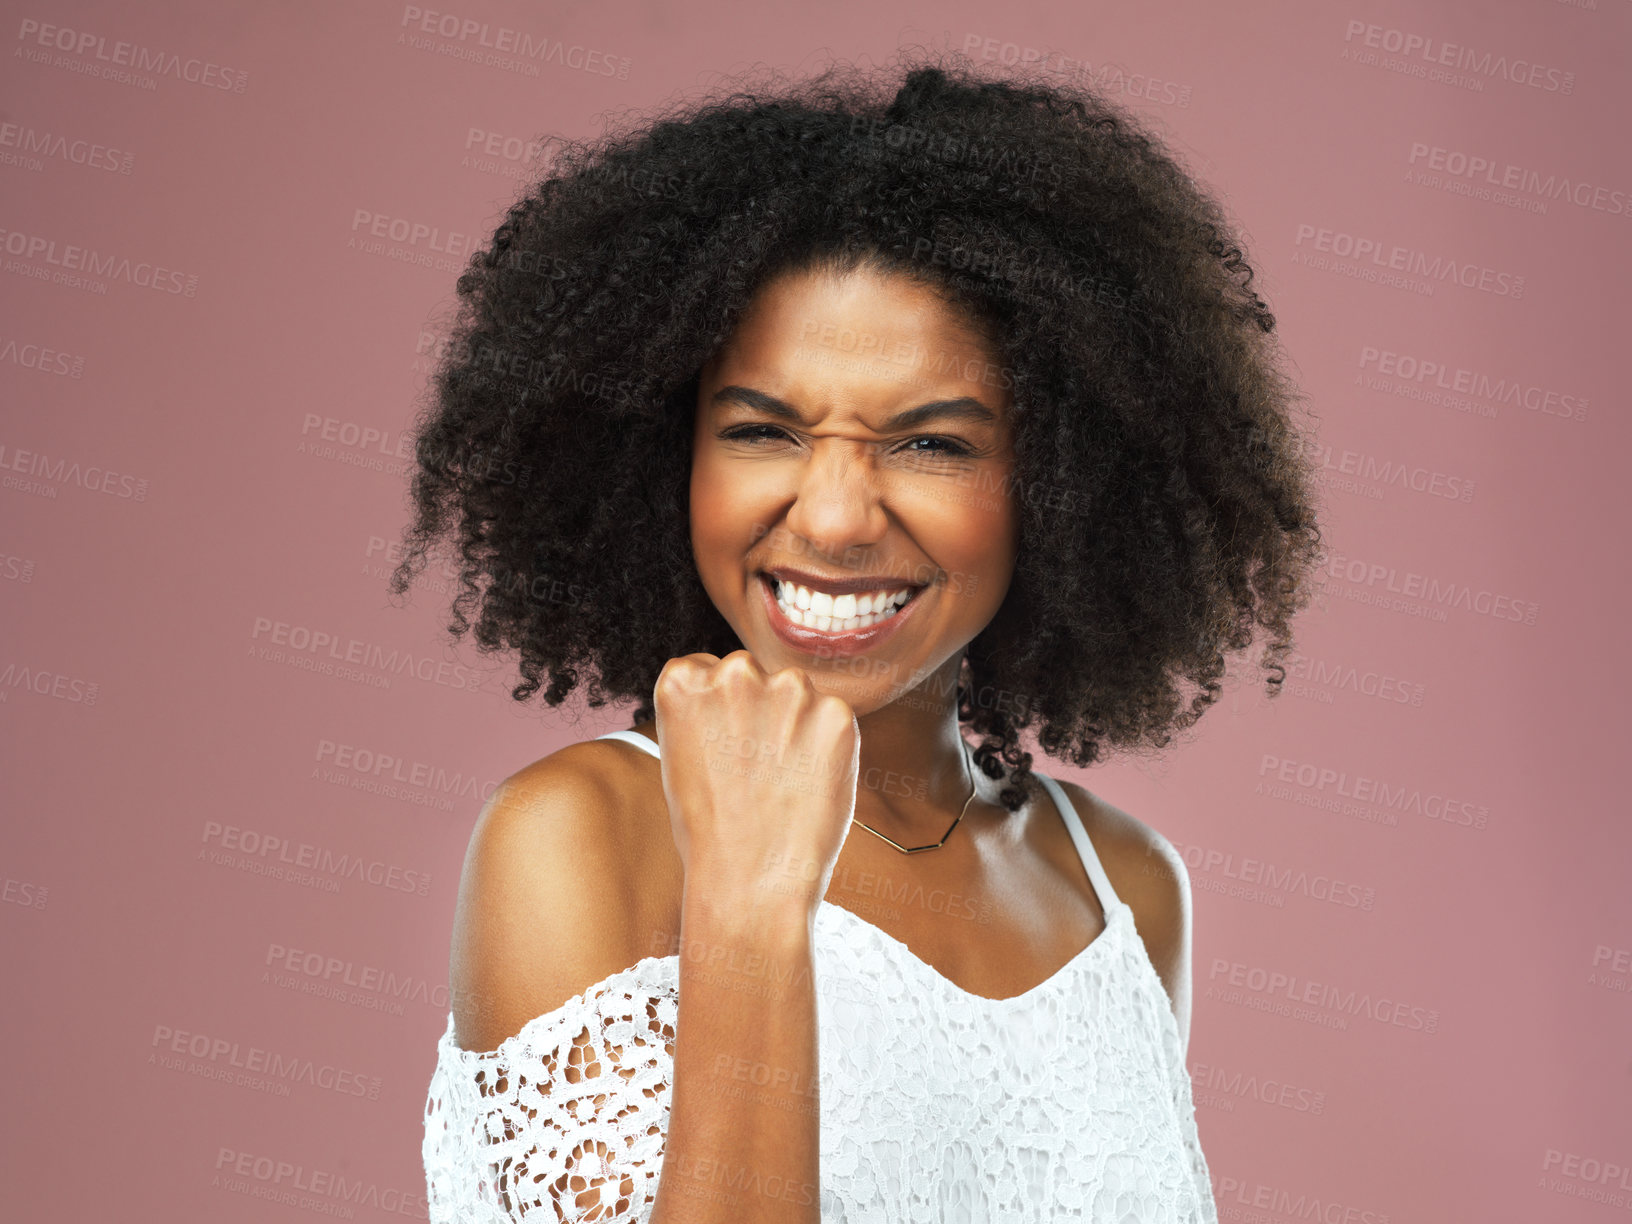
pixel 635 738
pixel 1085 847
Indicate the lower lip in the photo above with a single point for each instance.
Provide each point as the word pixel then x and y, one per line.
pixel 831 645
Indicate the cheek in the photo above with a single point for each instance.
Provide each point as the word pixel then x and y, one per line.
pixel 711 545
pixel 716 505
pixel 728 518
pixel 978 552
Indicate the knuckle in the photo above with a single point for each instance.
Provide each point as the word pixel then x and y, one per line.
pixel 739 665
pixel 681 675
pixel 794 678
pixel 836 708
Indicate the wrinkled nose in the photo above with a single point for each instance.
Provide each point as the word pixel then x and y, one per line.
pixel 837 507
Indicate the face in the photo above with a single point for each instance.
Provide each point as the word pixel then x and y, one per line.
pixel 851 506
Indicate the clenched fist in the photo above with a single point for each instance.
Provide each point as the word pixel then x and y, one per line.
pixel 759 772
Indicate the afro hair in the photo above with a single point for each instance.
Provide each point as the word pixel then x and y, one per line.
pixel 1166 496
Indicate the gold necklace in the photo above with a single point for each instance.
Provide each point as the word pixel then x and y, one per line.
pixel 932 845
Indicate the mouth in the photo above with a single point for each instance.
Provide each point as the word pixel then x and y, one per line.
pixel 819 622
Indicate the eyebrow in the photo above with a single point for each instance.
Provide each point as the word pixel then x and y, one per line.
pixel 963 408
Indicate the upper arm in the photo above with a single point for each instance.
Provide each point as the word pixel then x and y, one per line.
pixel 1150 875
pixel 541 914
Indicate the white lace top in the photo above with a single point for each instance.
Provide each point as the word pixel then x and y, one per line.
pixel 1068 1102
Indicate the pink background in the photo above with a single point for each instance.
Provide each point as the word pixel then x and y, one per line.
pixel 1420 835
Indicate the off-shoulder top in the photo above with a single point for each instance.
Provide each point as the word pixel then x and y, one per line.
pixel 1071 1101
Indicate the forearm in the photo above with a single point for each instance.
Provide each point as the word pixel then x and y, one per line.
pixel 744 1114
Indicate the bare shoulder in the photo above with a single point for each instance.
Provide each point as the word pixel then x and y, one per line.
pixel 1149 874
pixel 545 907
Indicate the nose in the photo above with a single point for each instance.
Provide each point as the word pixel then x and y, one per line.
pixel 836 507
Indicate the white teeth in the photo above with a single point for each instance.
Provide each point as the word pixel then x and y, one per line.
pixel 836 614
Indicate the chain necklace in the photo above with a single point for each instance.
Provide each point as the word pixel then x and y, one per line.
pixel 931 845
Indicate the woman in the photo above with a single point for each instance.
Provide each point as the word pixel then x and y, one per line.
pixel 823 421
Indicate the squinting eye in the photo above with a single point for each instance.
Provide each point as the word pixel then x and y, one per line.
pixel 945 447
pixel 952 447
pixel 749 433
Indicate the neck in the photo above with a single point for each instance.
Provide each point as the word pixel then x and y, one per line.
pixel 916 773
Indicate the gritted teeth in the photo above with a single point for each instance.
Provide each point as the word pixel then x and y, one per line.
pixel 837 613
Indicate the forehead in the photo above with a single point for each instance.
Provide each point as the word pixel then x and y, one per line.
pixel 864 337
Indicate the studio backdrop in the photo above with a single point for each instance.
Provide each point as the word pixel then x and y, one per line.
pixel 240 778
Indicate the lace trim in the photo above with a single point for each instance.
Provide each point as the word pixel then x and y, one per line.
pixel 534 1125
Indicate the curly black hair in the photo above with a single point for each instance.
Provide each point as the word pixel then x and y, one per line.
pixel 1166 497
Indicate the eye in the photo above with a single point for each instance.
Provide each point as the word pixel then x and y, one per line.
pixel 951 446
pixel 750 433
pixel 943 446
